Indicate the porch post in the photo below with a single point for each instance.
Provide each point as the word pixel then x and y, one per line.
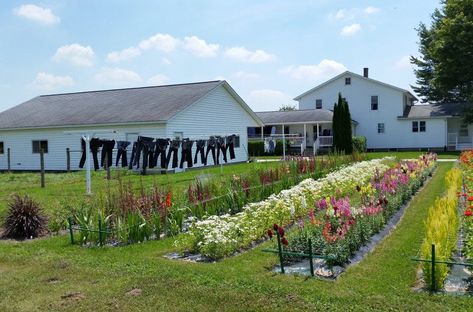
pixel 283 143
pixel 305 136
pixel 262 133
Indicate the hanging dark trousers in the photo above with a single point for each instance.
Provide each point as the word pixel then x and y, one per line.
pixel 221 146
pixel 95 144
pixel 200 148
pixel 211 144
pixel 133 155
pixel 107 152
pixel 121 153
pixel 140 147
pixel 173 149
pixel 186 153
pixel 161 145
pixel 151 152
pixel 231 145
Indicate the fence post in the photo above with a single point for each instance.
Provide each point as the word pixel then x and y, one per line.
pixel 311 263
pixel 41 160
pixel 71 232
pixel 433 282
pixel 100 232
pixel 280 252
pixel 8 159
pixel 68 159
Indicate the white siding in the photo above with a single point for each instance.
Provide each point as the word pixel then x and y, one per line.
pixel 22 157
pixel 218 113
pixel 398 133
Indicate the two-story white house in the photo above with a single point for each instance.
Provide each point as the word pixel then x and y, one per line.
pixel 386 115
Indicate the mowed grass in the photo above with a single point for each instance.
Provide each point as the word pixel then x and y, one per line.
pixel 51 275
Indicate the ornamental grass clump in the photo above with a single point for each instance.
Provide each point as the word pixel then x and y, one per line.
pixel 441 229
pixel 25 219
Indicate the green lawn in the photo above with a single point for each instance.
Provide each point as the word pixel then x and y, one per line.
pixel 49 275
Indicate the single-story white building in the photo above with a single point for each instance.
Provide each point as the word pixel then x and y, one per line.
pixel 55 122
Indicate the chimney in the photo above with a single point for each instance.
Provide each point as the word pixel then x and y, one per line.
pixel 365 72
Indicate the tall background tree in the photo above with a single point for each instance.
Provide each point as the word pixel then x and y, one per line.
pixel 287 108
pixel 444 69
pixel 341 126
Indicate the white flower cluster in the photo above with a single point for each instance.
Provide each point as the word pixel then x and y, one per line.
pixel 219 236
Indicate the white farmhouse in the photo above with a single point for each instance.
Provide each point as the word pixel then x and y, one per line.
pixel 194 110
pixel 386 115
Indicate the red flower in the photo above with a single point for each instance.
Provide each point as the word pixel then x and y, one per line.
pixel 470 198
pixel 275 226
pixel 468 213
pixel 270 234
pixel 168 199
pixel 284 241
pixel 281 231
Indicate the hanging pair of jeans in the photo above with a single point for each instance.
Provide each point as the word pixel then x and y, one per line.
pixel 133 155
pixel 221 146
pixel 107 152
pixel 211 144
pixel 121 153
pixel 200 148
pixel 231 145
pixel 173 150
pixel 186 153
pixel 151 151
pixel 94 144
pixel 161 146
pixel 141 147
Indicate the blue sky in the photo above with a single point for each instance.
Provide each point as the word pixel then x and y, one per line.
pixel 269 51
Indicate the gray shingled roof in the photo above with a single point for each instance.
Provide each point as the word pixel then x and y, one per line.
pixel 435 110
pixel 308 115
pixel 146 104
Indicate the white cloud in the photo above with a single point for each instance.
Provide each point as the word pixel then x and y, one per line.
pixel 317 72
pixel 246 76
pixel 350 30
pixel 268 99
pixel 158 80
pixel 200 47
pixel 165 61
pixel 75 54
pixel 45 81
pixel 117 77
pixel 353 13
pixel 123 55
pixel 37 14
pixel 162 42
pixel 403 62
pixel 245 55
pixel 371 10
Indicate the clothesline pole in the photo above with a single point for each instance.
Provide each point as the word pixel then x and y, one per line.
pixel 88 187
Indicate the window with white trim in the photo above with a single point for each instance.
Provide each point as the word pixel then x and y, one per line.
pixel 39 145
pixel 421 126
pixel 348 81
pixel 463 130
pixel 374 102
pixel 318 103
pixel 2 151
pixel 415 126
pixel 380 127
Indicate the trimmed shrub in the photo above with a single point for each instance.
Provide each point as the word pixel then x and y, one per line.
pixel 25 219
pixel 359 144
pixel 256 148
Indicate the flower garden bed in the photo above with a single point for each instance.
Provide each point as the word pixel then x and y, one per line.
pixel 123 215
pixel 336 227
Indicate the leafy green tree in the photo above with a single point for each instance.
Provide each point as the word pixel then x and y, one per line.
pixel 443 69
pixel 287 108
pixel 341 126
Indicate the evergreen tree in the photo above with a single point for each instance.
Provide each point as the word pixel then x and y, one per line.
pixel 336 124
pixel 341 126
pixel 442 69
pixel 347 141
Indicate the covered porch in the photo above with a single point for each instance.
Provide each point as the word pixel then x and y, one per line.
pixel 459 134
pixel 306 130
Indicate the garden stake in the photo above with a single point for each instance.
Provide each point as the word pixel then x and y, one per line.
pixel 434 284
pixel 311 263
pixel 71 232
pixel 100 231
pixel 8 159
pixel 280 252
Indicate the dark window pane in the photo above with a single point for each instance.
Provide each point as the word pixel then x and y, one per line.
pixel 237 141
pixel 415 126
pixel 318 104
pixel 38 145
pixel 422 126
pixel 2 151
pixel 374 102
pixel 348 81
